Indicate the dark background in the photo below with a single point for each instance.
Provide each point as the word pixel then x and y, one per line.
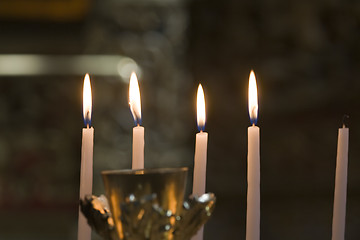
pixel 306 58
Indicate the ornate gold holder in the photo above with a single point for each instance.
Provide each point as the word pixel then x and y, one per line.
pixel 147 204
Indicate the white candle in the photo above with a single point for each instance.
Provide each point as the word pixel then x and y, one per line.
pixel 138 147
pixel 338 225
pixel 138 131
pixel 86 171
pixel 253 194
pixel 199 180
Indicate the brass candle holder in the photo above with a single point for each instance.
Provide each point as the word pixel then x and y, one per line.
pixel 147 204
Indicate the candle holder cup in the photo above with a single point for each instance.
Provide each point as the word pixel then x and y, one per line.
pixel 147 204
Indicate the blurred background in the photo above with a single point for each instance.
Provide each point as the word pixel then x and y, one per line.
pixel 305 54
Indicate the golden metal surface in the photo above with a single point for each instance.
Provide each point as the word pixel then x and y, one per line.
pixel 147 205
pixel 168 185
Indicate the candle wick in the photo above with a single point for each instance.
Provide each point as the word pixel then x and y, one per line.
pixel 87 125
pixel 253 124
pixel 344 120
pixel 138 124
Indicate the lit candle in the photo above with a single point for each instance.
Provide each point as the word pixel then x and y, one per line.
pixel 86 171
pixel 253 194
pixel 200 153
pixel 338 225
pixel 138 131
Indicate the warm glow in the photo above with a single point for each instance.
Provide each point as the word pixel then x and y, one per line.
pixel 87 100
pixel 201 115
pixel 134 99
pixel 253 98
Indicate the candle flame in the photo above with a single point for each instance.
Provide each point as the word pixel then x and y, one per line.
pixel 87 100
pixel 134 99
pixel 201 113
pixel 253 98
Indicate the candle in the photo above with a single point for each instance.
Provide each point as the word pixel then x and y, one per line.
pixel 199 180
pixel 86 171
pixel 339 213
pixel 138 131
pixel 253 194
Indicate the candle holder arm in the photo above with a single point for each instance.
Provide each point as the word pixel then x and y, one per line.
pixel 97 212
pixel 196 212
